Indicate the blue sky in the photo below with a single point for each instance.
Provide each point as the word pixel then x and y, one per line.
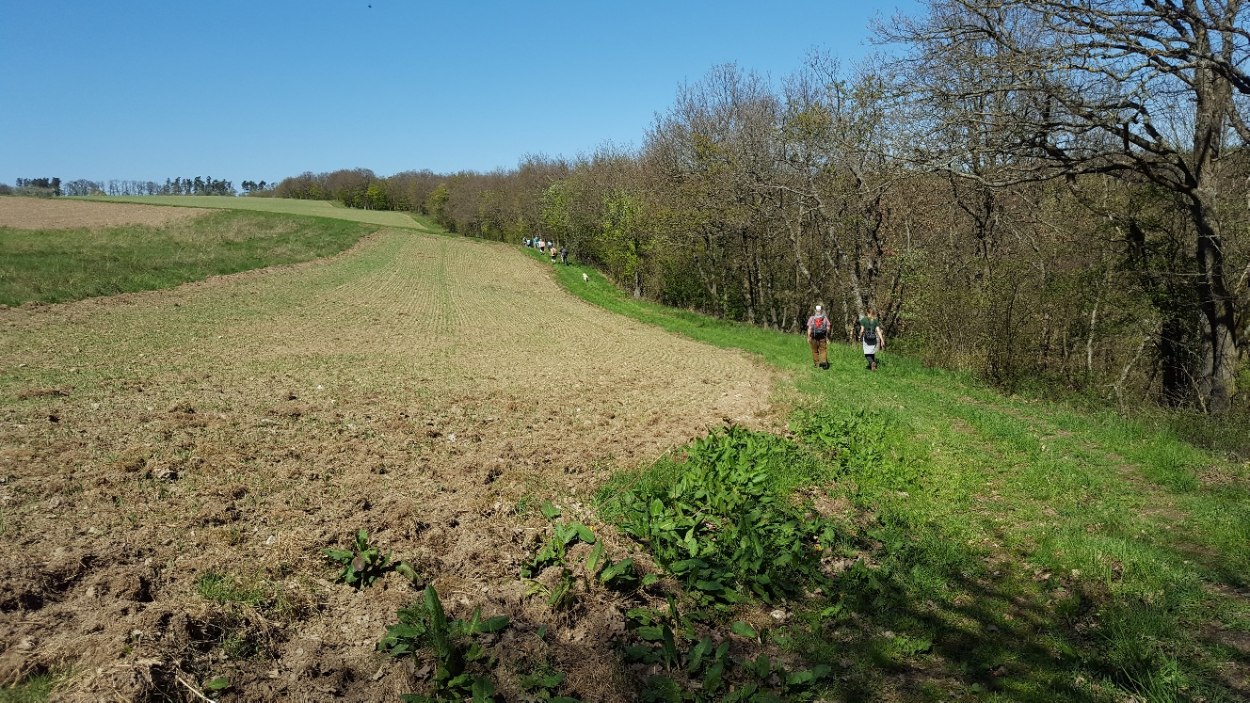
pixel 264 89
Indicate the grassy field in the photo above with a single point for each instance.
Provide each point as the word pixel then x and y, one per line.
pixel 59 265
pixel 1019 549
pixel 664 506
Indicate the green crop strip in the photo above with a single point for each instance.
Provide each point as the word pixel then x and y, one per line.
pixel 52 266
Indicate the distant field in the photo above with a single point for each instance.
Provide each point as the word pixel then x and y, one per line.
pixel 63 250
pixel 311 208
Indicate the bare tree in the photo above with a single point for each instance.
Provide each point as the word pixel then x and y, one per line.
pixel 1155 89
pixel 836 153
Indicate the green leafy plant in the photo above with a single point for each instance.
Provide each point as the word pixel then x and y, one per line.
pixel 460 658
pixel 217 684
pixel 543 684
pixel 554 553
pixel 861 443
pixel 364 563
pixel 701 667
pixel 722 525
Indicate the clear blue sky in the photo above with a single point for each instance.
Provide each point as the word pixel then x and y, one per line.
pixel 265 89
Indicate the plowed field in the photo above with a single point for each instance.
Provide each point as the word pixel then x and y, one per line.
pixel 49 213
pixel 431 390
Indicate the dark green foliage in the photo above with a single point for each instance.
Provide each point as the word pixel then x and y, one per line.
pixel 555 554
pixel 703 667
pixel 543 684
pixel 722 526
pixel 461 662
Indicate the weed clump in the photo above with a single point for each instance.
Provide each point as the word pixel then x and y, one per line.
pixel 364 563
pixel 722 525
pixel 461 662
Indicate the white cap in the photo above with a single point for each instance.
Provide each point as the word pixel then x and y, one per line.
pixel 818 308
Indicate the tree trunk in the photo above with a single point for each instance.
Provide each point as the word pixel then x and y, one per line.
pixel 1219 382
pixel 1214 100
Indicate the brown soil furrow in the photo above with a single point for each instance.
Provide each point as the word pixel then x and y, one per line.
pixel 57 213
pixel 424 388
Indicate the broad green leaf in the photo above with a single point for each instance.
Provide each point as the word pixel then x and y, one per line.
pixel 799 678
pixel 763 666
pixel 651 633
pixel 483 690
pixel 584 533
pixel 405 569
pixel 219 683
pixel 685 565
pixel 641 653
pixel 701 650
pixel 438 622
pixel 743 630
pixel 712 679
pixel 495 624
pixel 612 571
pixel 592 562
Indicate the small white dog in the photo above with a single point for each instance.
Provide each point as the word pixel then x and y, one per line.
pixel 585 278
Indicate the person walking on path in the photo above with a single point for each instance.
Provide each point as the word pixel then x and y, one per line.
pixel 818 337
pixel 872 336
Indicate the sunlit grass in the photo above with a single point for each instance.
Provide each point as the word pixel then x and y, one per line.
pixel 1020 549
pixel 53 266
pixel 286 206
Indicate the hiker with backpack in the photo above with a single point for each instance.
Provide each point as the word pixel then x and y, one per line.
pixel 872 336
pixel 818 337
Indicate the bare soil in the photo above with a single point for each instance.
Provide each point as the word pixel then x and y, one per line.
pixel 431 390
pixel 50 213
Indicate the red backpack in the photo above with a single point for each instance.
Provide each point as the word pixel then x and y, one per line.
pixel 820 327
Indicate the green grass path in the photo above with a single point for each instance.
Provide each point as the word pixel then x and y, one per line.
pixel 1034 549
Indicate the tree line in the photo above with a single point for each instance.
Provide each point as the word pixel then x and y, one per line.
pixel 199 185
pixel 1030 189
pixel 1035 190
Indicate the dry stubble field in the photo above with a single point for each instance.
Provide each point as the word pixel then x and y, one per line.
pixel 431 390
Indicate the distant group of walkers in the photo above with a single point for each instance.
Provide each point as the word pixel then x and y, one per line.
pixel 868 331
pixel 547 247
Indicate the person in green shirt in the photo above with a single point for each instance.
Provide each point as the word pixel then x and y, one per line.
pixel 872 336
